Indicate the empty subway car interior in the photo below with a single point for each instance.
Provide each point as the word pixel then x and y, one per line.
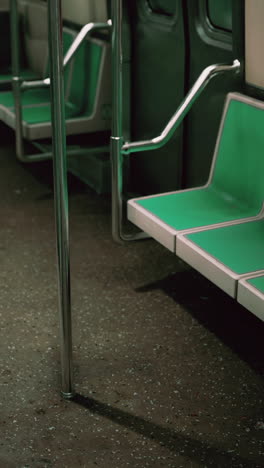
pixel 136 128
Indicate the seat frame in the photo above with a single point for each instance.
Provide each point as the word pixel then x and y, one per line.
pixel 251 297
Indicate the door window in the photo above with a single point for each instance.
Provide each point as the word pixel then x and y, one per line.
pixel 220 14
pixel 163 7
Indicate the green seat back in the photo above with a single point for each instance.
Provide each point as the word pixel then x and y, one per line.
pixel 82 74
pixel 93 56
pixel 239 168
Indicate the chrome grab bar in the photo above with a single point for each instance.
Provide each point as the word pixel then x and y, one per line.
pixel 118 148
pixel 84 32
pixel 203 80
pixel 86 29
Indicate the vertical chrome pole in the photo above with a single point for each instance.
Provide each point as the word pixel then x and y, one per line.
pixel 61 191
pixel 117 127
pixel 16 80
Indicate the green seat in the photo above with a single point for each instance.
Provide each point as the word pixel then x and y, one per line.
pixel 86 76
pixel 225 254
pixel 234 191
pixel 81 79
pixel 250 294
pixel 33 42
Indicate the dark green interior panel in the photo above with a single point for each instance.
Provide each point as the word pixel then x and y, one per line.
pixel 5 51
pixel 157 76
pixel 220 13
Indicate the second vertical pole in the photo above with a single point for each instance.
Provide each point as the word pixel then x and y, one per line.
pixel 117 120
pixel 60 191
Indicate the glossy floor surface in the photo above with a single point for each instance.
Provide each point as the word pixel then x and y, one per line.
pixel 168 369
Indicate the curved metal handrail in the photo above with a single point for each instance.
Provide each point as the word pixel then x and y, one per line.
pixel 203 80
pixel 83 33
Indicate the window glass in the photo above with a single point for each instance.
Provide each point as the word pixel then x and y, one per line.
pixel 220 13
pixel 163 7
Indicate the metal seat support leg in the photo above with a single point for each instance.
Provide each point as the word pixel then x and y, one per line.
pixel 117 128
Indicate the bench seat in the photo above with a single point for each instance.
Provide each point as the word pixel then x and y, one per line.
pixel 225 254
pixel 234 191
pixel 81 94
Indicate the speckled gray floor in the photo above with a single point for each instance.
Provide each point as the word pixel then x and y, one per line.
pixel 168 369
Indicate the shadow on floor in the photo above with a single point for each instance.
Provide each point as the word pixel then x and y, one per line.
pixel 177 443
pixel 229 321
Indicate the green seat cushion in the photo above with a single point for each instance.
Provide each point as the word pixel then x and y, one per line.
pixel 42 113
pixel 196 208
pixel 29 98
pixel 258 283
pixel 239 247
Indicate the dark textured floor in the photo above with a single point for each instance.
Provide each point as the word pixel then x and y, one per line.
pixel 168 369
